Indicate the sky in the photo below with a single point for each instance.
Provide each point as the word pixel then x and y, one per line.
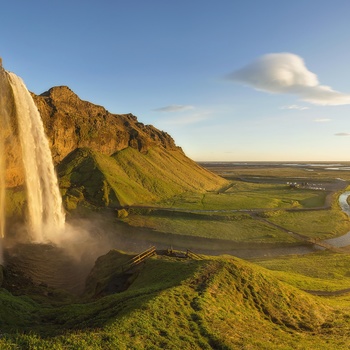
pixel 229 80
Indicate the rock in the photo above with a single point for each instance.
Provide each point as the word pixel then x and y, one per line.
pixel 72 123
pixel 122 213
pixel 8 134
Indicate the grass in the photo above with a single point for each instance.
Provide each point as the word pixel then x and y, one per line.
pixel 317 271
pixel 323 224
pixel 243 229
pixel 244 195
pixel 17 312
pixel 221 302
pixel 220 216
pixel 185 304
pixel 130 177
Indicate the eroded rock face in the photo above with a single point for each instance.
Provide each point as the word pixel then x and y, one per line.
pixel 14 174
pixel 72 123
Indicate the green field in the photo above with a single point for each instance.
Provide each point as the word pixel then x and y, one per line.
pixel 234 214
pixel 217 302
pixel 236 228
pixel 245 195
pixel 323 224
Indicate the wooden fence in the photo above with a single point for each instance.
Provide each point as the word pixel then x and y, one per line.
pixel 192 255
pixel 137 259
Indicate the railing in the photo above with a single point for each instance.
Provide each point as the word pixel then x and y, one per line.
pixel 139 258
pixel 192 255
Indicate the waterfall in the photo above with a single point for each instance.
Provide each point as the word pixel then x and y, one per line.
pixel 3 135
pixel 46 218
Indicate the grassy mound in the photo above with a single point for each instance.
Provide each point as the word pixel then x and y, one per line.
pixel 222 303
pixel 130 177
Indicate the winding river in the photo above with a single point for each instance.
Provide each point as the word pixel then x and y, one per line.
pixel 344 240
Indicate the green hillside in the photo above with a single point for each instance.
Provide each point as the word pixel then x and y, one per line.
pixel 222 303
pixel 131 177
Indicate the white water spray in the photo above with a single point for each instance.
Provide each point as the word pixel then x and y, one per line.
pixel 46 218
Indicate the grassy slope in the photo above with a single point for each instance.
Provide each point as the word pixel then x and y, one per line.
pixel 166 172
pixel 243 229
pixel 215 303
pixel 324 271
pixel 130 177
pixel 324 224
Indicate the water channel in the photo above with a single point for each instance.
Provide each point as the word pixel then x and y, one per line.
pixel 344 240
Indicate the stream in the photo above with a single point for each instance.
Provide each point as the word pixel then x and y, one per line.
pixel 344 240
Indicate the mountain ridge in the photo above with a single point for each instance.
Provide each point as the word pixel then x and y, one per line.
pixel 123 154
pixel 85 124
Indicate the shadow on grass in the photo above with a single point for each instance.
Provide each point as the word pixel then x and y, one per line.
pixel 155 276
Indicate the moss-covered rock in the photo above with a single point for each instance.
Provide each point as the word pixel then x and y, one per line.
pixel 107 268
pixel 122 213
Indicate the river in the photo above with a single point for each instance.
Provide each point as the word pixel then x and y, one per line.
pixel 344 240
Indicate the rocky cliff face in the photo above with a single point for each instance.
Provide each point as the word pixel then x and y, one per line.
pixel 71 123
pixel 103 159
pixel 8 133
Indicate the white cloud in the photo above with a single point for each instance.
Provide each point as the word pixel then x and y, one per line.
pixel 299 108
pixel 287 73
pixel 342 134
pixel 174 108
pixel 322 120
pixel 186 120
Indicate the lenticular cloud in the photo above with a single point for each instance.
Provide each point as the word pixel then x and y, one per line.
pixel 287 73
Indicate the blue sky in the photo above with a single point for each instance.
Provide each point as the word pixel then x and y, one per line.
pixel 228 80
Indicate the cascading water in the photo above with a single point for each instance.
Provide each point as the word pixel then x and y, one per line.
pixel 3 136
pixel 46 218
pixel 25 147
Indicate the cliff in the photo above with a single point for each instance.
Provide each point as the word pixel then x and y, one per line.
pixel 105 159
pixel 72 123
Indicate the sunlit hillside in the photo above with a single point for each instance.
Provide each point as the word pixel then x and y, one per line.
pixel 131 177
pixel 171 303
